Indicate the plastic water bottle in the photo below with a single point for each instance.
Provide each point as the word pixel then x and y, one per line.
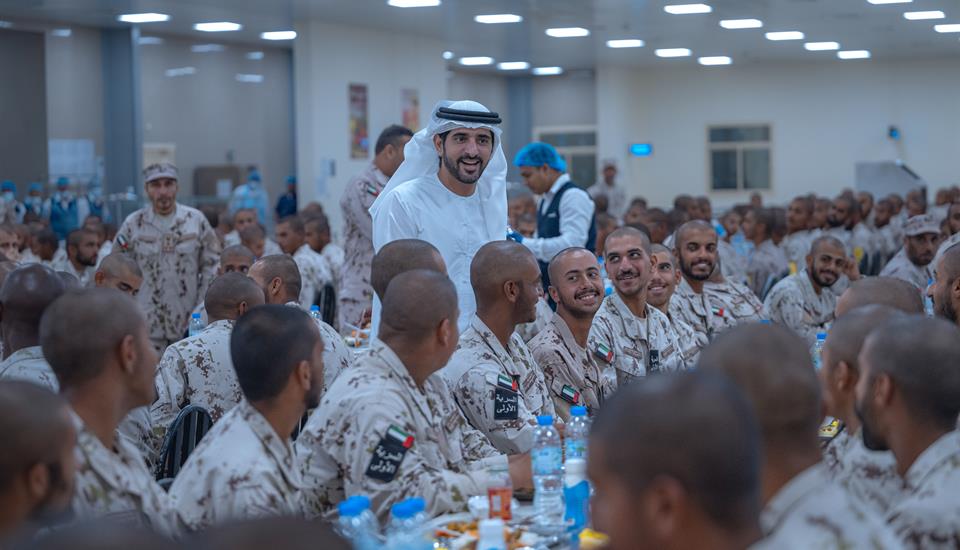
pixel 576 495
pixel 315 312
pixel 358 524
pixel 490 535
pixel 547 476
pixel 928 301
pixel 816 352
pixel 575 434
pixel 406 530
pixel 196 324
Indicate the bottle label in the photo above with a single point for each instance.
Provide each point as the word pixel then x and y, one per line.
pixel 500 500
pixel 546 461
pixel 575 449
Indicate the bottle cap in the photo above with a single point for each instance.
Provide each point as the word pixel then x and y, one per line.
pixel 545 420
pixel 195 316
pixel 314 307
pixel 490 530
pixel 353 506
pixel 578 411
pixel 821 336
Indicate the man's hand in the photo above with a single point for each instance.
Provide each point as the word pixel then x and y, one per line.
pixel 521 472
pixel 852 270
pixel 512 235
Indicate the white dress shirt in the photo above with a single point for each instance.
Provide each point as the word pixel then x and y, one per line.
pixel 576 212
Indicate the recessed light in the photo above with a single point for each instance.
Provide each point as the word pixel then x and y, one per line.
pixel 687 9
pixel 567 32
pixel 413 3
pixel 149 41
pixel 784 35
pixel 889 1
pixel 923 15
pixel 447 54
pixel 741 23
pixel 625 43
pixel 143 18
pixel 217 26
pixel 854 54
pixel 61 33
pixel 251 78
pixel 953 27
pixel 5 24
pixel 821 46
pixel 513 66
pixel 497 18
pixel 206 48
pixel 180 71
pixel 714 60
pixel 278 35
pixel 476 61
pixel 254 56
pixel 547 71
pixel 673 52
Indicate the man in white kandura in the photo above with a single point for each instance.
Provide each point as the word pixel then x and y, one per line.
pixel 450 191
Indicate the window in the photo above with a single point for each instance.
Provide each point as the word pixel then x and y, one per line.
pixel 578 146
pixel 739 157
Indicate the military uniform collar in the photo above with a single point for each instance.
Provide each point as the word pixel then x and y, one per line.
pixel 566 336
pixel 489 339
pixel 933 458
pixel 279 448
pixel 791 495
pixel 382 354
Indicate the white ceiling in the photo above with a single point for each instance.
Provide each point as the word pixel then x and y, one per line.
pixel 855 24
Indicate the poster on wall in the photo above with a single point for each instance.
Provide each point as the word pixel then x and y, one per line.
pixel 359 137
pixel 410 105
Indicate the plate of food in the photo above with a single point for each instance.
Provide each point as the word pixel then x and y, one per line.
pixel 460 533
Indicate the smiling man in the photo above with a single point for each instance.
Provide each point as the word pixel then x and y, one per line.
pixel 803 302
pixel 631 338
pixel 920 242
pixel 450 191
pixel 663 283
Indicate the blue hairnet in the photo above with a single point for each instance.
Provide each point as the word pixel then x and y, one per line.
pixel 62 181
pixel 253 176
pixel 291 179
pixel 538 154
pixel 8 185
pixel 36 186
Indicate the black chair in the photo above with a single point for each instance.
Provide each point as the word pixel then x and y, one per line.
pixel 327 301
pixel 182 438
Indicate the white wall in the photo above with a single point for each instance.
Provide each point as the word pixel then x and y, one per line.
pixel 327 59
pixel 824 117
pixel 75 87
pixel 565 100
pixel 488 89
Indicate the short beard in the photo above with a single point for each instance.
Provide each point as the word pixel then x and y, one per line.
pixel 687 271
pixel 871 440
pixel 946 310
pixel 451 167
pixel 816 278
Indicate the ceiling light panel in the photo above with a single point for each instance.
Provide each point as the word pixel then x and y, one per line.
pixel 625 43
pixel 143 18
pixel 741 24
pixel 673 52
pixel 567 32
pixel 498 18
pixel 217 26
pixel 687 9
pixel 784 35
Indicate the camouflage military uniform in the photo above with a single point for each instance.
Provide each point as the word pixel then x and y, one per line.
pixel 196 371
pixel 500 391
pixel 629 347
pixel 719 307
pixel 28 364
pixel 766 262
pixel 116 485
pixel 570 371
pixel 795 304
pixel 928 515
pixel 528 331
pixel 377 433
pixel 810 511
pixel 355 293
pixel 178 256
pixel 691 341
pixel 732 264
pixel 869 476
pixel 240 470
pixel 314 274
pixel 796 246
pixel 900 267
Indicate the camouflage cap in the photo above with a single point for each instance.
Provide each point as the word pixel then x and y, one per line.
pixel 918 225
pixel 159 170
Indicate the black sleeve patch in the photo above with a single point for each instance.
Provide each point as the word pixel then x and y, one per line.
pixel 506 404
pixel 388 455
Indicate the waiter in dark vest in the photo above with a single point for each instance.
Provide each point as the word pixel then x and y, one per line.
pixel 565 216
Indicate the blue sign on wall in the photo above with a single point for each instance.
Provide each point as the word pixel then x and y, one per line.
pixel 641 149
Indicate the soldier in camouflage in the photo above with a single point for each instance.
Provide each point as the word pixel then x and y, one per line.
pixel 663 284
pixel 25 295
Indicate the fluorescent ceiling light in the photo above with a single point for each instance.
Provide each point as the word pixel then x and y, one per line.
pixel 251 78
pixel 206 48
pixel 180 71
pixel 625 43
pixel 476 61
pixel 5 24
pixel 854 54
pixel 784 35
pixel 715 60
pixel 278 35
pixel 61 33
pixel 673 52
pixel 687 9
pixel 149 41
pixel 889 1
pixel 568 32
pixel 953 27
pixel 547 71
pixel 447 55
pixel 254 56
pixel 741 23
pixel 143 18
pixel 821 46
pixel 513 66
pixel 413 3
pixel 217 26
pixel 496 18
pixel 922 15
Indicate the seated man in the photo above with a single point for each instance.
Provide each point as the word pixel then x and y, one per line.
pixel 913 263
pixel 25 295
pixel 887 291
pixel 653 494
pixel 314 269
pixel 663 283
pixel 767 261
pixel 198 370
pixel 234 259
pixel 495 380
pixel 569 368
pixel 804 302
pixel 36 468
pixel 242 219
pixel 869 476
pixel 908 397
pixel 803 507
pixel 387 428
pixel 245 467
pixel 632 338
pixel 279 278
pixel 121 272
pixel 98 345
pixel 254 237
pixel 81 258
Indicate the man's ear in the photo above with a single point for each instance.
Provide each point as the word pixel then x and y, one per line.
pixel 444 333
pixel 511 289
pixel 846 376
pixel 128 353
pixel 304 375
pixel 554 295
pixel 438 143
pixel 98 278
pixel 242 308
pixel 38 481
